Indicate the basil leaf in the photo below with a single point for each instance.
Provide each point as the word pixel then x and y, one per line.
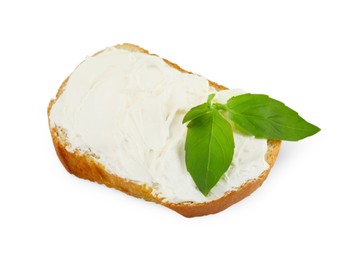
pixel 209 149
pixel 264 117
pixel 199 110
pixel 196 112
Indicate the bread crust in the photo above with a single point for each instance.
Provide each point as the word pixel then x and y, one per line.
pixel 87 167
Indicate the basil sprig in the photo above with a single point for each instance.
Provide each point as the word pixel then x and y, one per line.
pixel 209 146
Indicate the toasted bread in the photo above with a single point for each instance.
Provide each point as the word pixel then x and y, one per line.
pixel 87 167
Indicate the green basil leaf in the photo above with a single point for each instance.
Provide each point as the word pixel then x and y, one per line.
pixel 199 110
pixel 264 117
pixel 196 112
pixel 209 149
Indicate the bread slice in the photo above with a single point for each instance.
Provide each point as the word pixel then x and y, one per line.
pixel 87 167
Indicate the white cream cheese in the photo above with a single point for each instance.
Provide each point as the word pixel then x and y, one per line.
pixel 127 109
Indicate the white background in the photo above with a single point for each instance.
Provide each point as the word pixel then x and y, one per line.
pixel 300 52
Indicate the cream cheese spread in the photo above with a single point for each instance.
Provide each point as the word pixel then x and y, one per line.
pixel 127 109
